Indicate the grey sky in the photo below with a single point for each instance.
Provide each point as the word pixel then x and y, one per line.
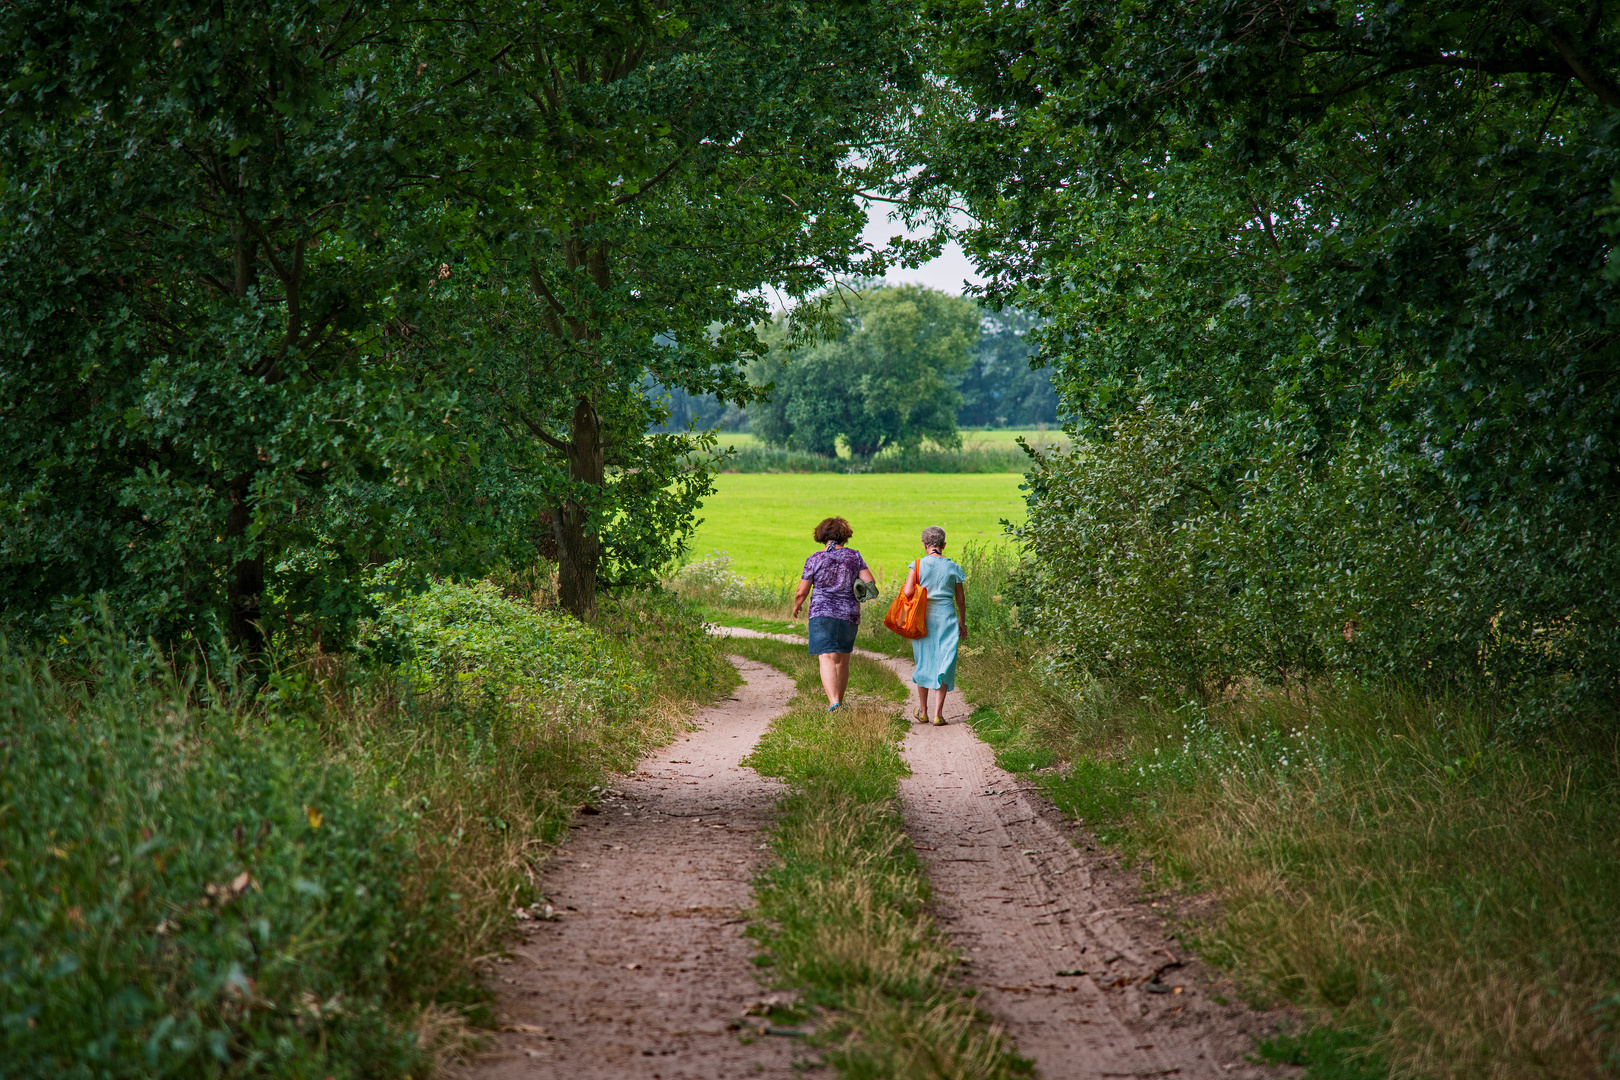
pixel 945 273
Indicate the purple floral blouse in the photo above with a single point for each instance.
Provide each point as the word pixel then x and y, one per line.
pixel 831 573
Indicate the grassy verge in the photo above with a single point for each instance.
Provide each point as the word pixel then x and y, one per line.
pixel 197 880
pixel 842 913
pixel 1441 901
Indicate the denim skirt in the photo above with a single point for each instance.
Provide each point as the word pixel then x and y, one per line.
pixel 832 635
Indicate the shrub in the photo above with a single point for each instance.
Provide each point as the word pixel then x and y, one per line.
pixel 472 637
pixel 183 893
pixel 1154 561
pixel 1113 584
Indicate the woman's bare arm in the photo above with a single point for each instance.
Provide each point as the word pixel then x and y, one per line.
pixel 911 582
pixel 866 575
pixel 798 597
pixel 961 612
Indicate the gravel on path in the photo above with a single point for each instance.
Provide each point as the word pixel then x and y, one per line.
pixel 644 972
pixel 1026 896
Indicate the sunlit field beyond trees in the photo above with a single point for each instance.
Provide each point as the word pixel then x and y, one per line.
pixel 764 521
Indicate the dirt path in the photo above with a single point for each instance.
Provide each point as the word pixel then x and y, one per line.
pixel 1023 901
pixel 645 971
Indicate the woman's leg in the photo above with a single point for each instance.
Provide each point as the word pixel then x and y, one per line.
pixel 842 660
pixel 939 703
pixel 922 701
pixel 829 676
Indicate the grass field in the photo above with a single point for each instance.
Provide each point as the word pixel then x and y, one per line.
pixel 986 438
pixel 764 521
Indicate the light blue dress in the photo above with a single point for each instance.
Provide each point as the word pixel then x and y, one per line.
pixel 934 656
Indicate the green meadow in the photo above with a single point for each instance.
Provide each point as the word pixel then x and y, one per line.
pixel 764 521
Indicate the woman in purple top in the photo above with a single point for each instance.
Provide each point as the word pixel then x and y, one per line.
pixel 835 613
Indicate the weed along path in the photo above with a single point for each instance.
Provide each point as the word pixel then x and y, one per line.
pixel 644 972
pixel 1066 954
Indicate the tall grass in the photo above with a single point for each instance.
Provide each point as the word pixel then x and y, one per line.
pixel 293 882
pixel 1385 860
pixel 842 913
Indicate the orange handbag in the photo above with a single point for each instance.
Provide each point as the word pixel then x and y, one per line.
pixel 909 617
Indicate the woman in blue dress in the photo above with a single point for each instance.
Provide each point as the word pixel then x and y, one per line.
pixel 934 655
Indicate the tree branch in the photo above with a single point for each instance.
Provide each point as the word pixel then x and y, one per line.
pixel 478 70
pixel 543 435
pixel 650 184
pixel 1545 18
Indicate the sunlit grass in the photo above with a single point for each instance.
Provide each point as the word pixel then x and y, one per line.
pixel 764 522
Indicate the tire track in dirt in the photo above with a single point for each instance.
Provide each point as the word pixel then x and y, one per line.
pixel 645 972
pixel 1023 901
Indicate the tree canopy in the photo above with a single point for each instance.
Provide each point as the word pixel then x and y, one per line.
pixel 296 287
pixel 1333 224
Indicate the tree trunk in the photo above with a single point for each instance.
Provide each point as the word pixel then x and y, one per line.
pixel 579 549
pixel 246 584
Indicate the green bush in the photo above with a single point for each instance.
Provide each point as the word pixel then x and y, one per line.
pixel 1157 561
pixel 185 893
pixel 1112 582
pixel 470 636
pixel 666 636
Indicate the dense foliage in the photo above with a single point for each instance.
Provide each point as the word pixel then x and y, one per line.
pixel 297 287
pixel 191 893
pixel 206 225
pixel 1144 570
pixel 1001 386
pixel 671 168
pixel 1371 237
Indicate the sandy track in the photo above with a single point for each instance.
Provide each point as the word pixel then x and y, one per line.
pixel 1025 896
pixel 646 969
pixel 1022 902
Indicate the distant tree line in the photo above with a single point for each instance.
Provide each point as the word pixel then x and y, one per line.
pixel 901 365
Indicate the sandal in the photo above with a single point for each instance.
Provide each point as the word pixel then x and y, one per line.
pixel 939 721
pixel 918 716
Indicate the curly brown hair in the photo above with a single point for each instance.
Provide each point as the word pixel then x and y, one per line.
pixel 835 529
